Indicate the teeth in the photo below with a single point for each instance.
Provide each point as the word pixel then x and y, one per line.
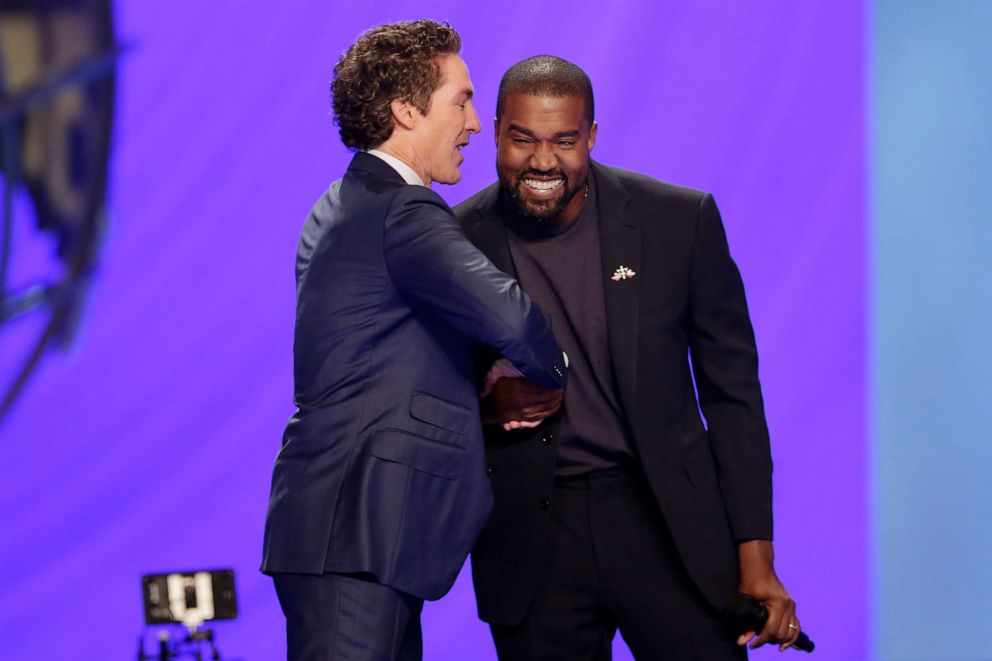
pixel 543 186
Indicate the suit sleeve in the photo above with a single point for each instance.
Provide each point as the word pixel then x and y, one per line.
pixel 725 366
pixel 436 268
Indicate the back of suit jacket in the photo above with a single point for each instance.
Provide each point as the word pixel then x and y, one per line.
pixel 712 480
pixel 381 468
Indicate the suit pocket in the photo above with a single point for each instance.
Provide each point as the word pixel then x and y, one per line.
pixel 699 464
pixel 419 453
pixel 440 413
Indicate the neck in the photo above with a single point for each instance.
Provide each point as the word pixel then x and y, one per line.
pixel 407 153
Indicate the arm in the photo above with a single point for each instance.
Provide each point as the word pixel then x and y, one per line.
pixel 436 268
pixel 725 365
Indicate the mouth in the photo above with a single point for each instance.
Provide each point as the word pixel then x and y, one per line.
pixel 543 187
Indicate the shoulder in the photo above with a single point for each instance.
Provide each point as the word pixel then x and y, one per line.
pixel 368 195
pixel 472 208
pixel 407 194
pixel 417 204
pixel 648 192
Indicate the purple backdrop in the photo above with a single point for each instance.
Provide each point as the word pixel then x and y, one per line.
pixel 149 448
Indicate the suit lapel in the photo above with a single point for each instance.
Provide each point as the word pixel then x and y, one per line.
pixel 489 233
pixel 620 247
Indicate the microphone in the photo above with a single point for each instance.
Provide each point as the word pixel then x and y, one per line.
pixel 745 613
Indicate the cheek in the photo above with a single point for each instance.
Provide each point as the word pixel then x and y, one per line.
pixel 506 163
pixel 576 167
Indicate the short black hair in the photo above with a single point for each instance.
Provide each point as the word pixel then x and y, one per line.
pixel 546 75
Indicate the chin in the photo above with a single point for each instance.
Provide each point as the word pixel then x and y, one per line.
pixel 545 202
pixel 450 178
pixel 546 208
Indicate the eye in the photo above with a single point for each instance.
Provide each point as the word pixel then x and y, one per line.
pixel 566 144
pixel 521 141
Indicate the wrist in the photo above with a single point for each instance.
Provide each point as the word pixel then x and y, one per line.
pixel 756 559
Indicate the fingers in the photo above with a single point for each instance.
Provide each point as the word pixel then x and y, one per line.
pixel 487 387
pixel 538 410
pixel 503 368
pixel 500 369
pixel 781 613
pixel 520 424
pixel 790 640
pixel 524 393
pixel 494 374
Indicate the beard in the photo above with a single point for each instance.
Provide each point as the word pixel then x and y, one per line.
pixel 545 211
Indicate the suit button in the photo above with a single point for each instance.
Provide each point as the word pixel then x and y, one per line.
pixel 489 470
pixel 546 439
pixel 544 503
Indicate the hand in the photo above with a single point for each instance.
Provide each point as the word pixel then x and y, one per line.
pixel 759 580
pixel 502 368
pixel 516 403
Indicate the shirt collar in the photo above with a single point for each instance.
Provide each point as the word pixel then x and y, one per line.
pixel 404 170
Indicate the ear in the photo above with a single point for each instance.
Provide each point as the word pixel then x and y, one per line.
pixel 592 135
pixel 496 131
pixel 404 113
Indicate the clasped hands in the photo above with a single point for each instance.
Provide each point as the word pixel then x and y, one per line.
pixel 511 400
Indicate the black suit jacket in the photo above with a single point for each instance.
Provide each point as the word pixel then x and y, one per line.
pixel 713 480
pixel 381 468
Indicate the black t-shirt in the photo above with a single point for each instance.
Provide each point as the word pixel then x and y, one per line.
pixel 560 267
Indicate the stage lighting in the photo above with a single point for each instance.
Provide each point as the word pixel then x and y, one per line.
pixel 57 63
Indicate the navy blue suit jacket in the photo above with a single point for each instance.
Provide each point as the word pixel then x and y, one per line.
pixel 381 468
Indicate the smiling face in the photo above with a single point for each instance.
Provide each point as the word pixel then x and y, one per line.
pixel 450 120
pixel 542 154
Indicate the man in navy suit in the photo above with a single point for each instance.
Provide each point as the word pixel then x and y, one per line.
pixel 380 488
pixel 624 508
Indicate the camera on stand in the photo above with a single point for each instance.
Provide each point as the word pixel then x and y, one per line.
pixel 190 599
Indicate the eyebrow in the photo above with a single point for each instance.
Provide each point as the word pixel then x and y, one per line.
pixel 557 136
pixel 468 93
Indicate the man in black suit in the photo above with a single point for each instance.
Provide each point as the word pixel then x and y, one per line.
pixel 624 509
pixel 380 490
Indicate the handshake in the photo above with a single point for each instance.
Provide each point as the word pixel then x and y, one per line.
pixel 511 400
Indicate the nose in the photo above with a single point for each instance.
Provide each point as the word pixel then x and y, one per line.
pixel 543 157
pixel 473 125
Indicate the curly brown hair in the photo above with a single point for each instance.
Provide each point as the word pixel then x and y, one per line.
pixel 388 62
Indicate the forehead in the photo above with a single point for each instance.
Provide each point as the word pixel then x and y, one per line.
pixel 535 110
pixel 454 74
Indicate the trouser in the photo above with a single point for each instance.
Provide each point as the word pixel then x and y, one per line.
pixel 346 617
pixel 611 564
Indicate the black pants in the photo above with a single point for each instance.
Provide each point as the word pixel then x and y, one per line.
pixel 611 564
pixel 340 617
